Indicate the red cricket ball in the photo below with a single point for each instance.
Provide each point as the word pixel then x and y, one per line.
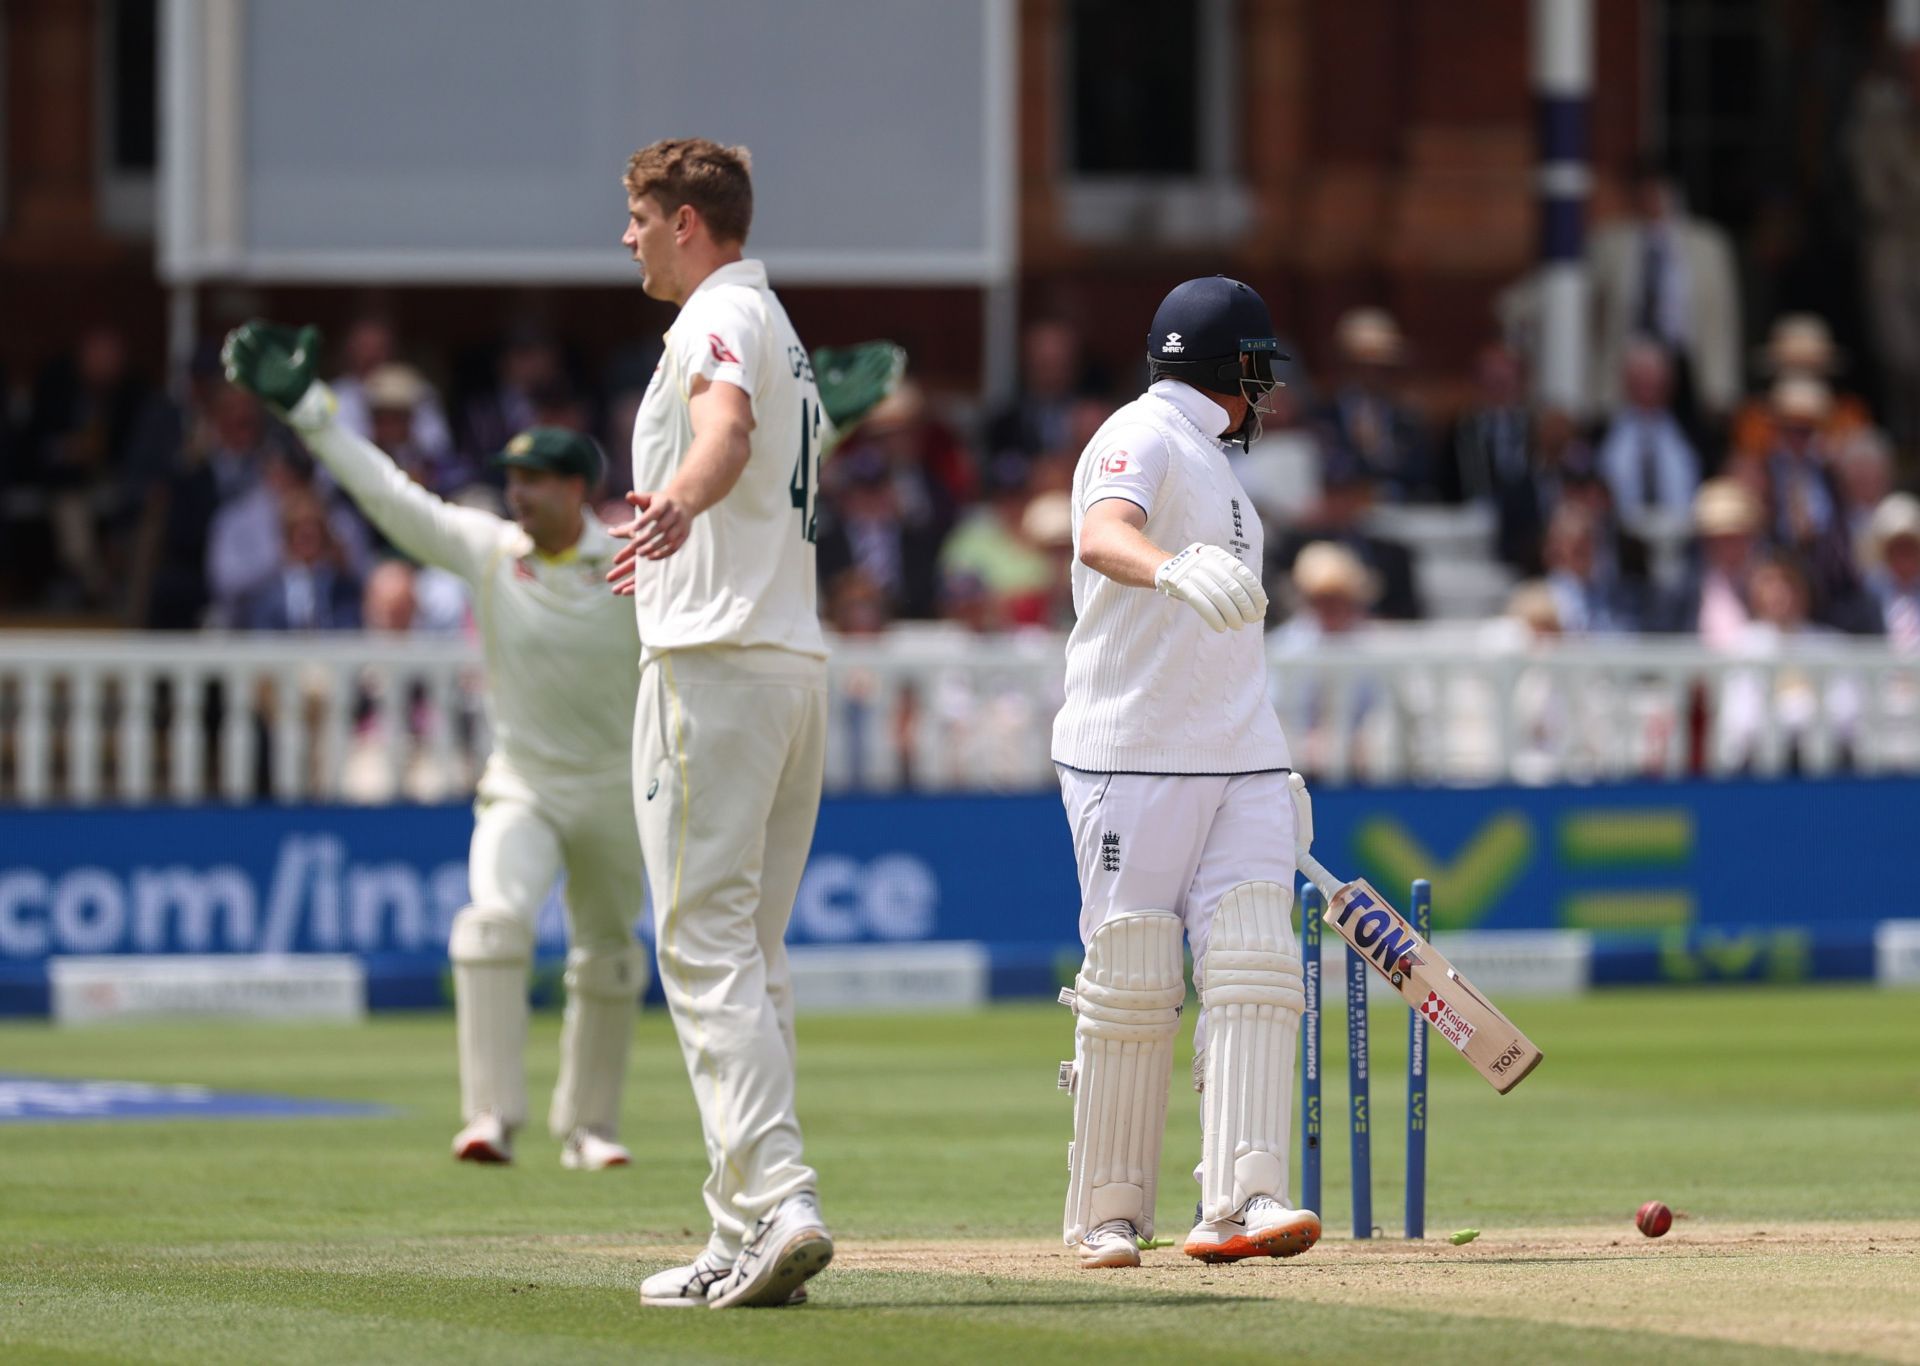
pixel 1653 1219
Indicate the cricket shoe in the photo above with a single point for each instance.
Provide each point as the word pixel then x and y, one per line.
pixel 686 1287
pixel 789 1247
pixel 585 1151
pixel 1114 1243
pixel 485 1139
pixel 1263 1227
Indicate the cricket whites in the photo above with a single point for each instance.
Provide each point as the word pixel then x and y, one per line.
pixel 1419 972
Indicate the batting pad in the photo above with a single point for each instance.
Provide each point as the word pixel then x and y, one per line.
pixel 1126 1001
pixel 491 952
pixel 1250 988
pixel 603 987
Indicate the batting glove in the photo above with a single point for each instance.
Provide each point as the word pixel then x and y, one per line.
pixel 1225 593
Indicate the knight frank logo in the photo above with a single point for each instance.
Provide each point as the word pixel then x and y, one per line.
pixel 1454 1028
pixel 1110 852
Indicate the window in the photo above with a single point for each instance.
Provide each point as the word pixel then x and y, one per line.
pixel 1136 78
pixel 128 110
pixel 1149 132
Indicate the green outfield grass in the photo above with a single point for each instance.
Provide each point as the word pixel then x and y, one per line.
pixel 346 1240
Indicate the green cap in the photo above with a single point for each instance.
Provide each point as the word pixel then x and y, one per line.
pixel 556 449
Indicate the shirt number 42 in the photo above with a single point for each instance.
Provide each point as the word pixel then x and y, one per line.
pixel 804 486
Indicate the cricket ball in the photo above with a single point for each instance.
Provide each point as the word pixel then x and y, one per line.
pixel 1653 1219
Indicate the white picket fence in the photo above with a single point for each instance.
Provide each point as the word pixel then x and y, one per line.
pixel 90 719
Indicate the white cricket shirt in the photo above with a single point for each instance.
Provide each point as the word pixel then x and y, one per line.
pixel 746 573
pixel 561 650
pixel 1149 688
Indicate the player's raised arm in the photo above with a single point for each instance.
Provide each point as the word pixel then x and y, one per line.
pixel 278 365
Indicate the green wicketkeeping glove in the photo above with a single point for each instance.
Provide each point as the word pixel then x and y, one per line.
pixel 852 379
pixel 274 362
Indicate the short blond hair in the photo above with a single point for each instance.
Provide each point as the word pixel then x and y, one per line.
pixel 715 180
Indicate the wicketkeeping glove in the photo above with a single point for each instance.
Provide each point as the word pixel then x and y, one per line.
pixel 1225 593
pixel 276 363
pixel 852 379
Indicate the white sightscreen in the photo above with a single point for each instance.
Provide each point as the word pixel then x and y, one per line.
pixel 484 139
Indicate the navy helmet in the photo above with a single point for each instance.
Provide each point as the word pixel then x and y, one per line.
pixel 1215 334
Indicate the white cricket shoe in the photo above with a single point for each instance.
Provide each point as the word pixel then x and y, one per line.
pixel 585 1151
pixel 686 1287
pixel 1114 1243
pixel 788 1247
pixel 1263 1227
pixel 485 1139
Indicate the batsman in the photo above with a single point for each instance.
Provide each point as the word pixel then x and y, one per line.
pixel 555 795
pixel 1173 769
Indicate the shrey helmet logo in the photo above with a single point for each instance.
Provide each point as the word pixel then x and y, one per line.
pixel 1173 344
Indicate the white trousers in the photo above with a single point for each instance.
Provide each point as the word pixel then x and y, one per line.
pixel 527 829
pixel 1175 842
pixel 728 750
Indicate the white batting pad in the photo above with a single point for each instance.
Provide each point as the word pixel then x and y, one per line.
pixel 1250 988
pixel 1126 1001
pixel 492 952
pixel 603 987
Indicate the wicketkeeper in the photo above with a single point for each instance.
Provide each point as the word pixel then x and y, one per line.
pixel 556 795
pixel 1173 769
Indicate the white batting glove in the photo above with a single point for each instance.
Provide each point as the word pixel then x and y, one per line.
pixel 1225 593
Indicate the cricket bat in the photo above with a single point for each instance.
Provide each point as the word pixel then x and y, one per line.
pixel 1419 972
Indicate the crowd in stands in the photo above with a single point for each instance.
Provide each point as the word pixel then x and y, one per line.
pixel 1705 488
pixel 1674 508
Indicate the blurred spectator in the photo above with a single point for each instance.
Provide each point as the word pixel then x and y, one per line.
pixel 390 756
pixel 931 471
pixel 1802 706
pixel 368 346
pixel 312 590
pixel 1884 148
pixel 81 425
pixel 1493 440
pixel 527 364
pixel 168 582
pixel 1713 604
pixel 1533 606
pixel 1623 555
pixel 863 525
pixel 1893 569
pixel 1589 598
pixel 1281 472
pixel 1365 421
pixel 1650 467
pixel 966 601
pixel 250 475
pixel 1047 525
pixel 253 472
pixel 1806 514
pixel 1332 590
pixel 989 546
pixel 393 395
pixel 1666 275
pixel 1863 474
pixel 388 603
pixel 1341 518
pixel 1798 344
pixel 1559 454
pixel 1053 373
pixel 855 604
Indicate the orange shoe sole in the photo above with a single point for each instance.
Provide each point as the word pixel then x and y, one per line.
pixel 1290 1241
